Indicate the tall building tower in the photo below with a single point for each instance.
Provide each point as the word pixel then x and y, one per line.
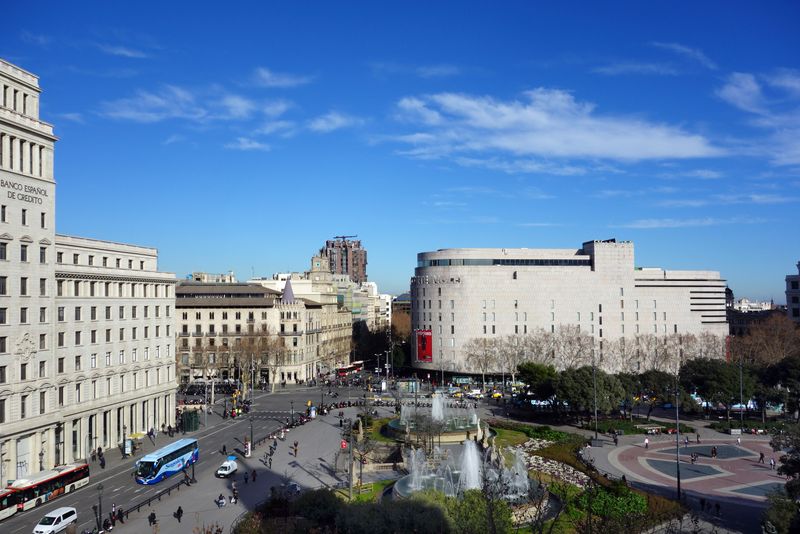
pixel 793 295
pixel 346 257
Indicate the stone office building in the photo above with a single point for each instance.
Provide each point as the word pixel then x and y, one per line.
pixel 85 325
pixel 462 294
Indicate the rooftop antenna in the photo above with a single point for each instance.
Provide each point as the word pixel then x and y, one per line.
pixel 343 237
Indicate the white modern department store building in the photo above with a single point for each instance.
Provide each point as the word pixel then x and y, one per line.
pixel 465 293
pixel 86 326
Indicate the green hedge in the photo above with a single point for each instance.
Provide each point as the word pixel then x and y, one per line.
pixel 534 432
pixel 629 427
pixel 725 426
pixel 616 502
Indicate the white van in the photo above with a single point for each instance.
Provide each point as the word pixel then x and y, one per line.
pixel 56 521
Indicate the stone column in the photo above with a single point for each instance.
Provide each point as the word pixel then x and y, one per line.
pixel 6 151
pixel 35 161
pixel 15 148
pixel 25 147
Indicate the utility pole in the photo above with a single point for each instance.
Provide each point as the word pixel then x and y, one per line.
pixel 594 386
pixel 741 394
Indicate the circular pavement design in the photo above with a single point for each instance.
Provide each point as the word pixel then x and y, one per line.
pixel 734 474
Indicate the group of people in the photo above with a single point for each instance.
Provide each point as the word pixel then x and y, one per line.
pixel 97 454
pixel 116 514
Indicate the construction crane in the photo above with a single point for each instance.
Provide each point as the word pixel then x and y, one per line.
pixel 343 237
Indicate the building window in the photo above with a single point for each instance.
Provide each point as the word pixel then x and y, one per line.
pixel 61 365
pixel 42 341
pixel 23 286
pixel 42 315
pixel 42 254
pixel 93 361
pixel 77 363
pixel 23 371
pixel 23 315
pixel 23 404
pixel 61 395
pixel 78 337
pixel 93 313
pixel 3 251
pixel 108 359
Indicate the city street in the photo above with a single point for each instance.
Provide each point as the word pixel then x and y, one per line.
pixel 318 442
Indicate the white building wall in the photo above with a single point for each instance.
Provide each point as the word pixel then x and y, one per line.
pixel 596 288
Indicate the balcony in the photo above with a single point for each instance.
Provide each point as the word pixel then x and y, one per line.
pixel 291 333
pixel 183 334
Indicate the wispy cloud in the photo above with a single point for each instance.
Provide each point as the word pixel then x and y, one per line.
pixel 284 128
pixel 37 39
pixel 172 139
pixel 744 92
pixel 650 224
pixel 779 115
pixel 703 174
pixel 264 77
pixel 174 102
pixel 122 51
pixel 547 123
pixel 688 52
pixel 614 69
pixel 333 120
pixel 71 117
pixel 385 68
pixel 276 108
pixel 247 144
pixel 437 71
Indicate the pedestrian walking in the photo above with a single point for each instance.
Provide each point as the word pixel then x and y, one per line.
pixel 761 457
pixel 246 476
pixel 224 450
pixel 698 438
pixel 120 515
pixel 646 443
pixel 152 518
pixel 616 440
pixel 739 442
pixel 254 476
pixel 270 462
pixel 94 455
pixel 772 463
pixel 179 514
pixel 686 442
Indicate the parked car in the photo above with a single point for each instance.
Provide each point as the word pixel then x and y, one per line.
pixel 56 521
pixel 497 394
pixel 227 469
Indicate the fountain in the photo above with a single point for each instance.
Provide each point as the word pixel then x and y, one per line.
pixel 451 421
pixel 453 477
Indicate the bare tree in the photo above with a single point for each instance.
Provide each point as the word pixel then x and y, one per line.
pixel 573 347
pixel 480 354
pixel 539 346
pixel 769 341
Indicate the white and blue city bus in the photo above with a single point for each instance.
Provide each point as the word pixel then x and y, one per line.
pixel 166 461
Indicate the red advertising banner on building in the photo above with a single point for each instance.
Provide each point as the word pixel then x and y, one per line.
pixel 424 349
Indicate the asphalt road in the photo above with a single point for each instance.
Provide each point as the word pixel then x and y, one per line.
pixel 270 411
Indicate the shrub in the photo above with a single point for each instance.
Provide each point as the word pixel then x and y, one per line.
pixel 533 432
pixel 615 502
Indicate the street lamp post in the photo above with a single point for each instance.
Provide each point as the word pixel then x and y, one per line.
pixel 99 507
pixel 41 457
pixel 251 435
pixel 124 439
pixel 292 405
pixel 741 394
pixel 678 437
pixel 594 386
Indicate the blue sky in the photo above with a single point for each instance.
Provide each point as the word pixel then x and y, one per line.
pixel 241 136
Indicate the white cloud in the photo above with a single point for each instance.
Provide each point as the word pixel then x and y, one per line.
pixel 537 224
pixel 333 120
pixel 267 78
pixel 122 51
pixel 649 224
pixel 276 108
pixel 237 107
pixel 636 68
pixel 704 174
pixel 437 71
pixel 37 39
pixel 787 79
pixel 285 128
pixel 686 51
pixel 246 144
pixel 169 102
pixel 72 117
pixel 781 116
pixel 173 102
pixel 546 123
pixel 172 139
pixel 743 91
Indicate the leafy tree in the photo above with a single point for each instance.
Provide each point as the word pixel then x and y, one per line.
pixel 788 439
pixel 716 381
pixel 788 371
pixel 540 379
pixel 575 386
pixel 656 388
pixel 781 516
pixel 631 387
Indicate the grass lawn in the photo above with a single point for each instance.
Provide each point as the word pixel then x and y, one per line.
pixel 509 438
pixel 368 496
pixel 375 433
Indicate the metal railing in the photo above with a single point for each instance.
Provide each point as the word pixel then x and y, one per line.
pixel 157 497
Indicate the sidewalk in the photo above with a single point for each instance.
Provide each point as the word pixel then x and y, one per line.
pixel 313 468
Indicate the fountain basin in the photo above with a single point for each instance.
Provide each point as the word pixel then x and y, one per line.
pixel 455 430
